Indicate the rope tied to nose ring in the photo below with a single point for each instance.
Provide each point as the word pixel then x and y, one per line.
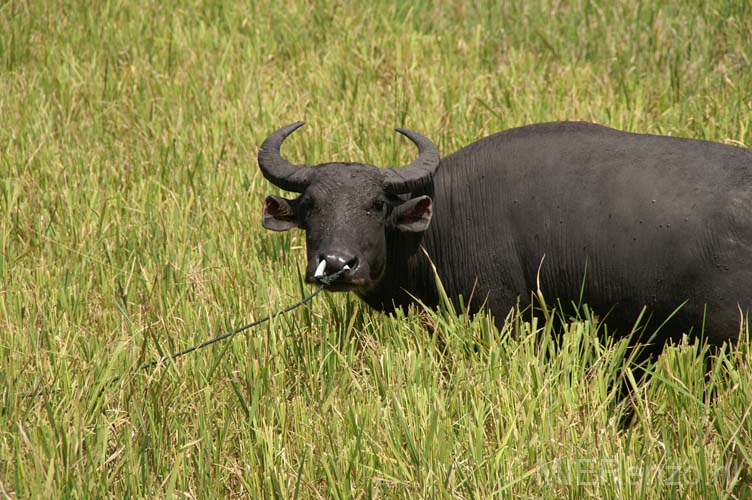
pixel 324 280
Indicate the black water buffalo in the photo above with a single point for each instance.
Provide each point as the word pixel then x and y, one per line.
pixel 625 221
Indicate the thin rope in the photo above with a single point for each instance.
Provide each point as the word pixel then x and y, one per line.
pixel 164 360
pixel 324 281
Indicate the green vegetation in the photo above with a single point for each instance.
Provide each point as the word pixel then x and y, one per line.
pixel 130 202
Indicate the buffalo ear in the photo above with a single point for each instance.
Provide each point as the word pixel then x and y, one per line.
pixel 413 215
pixel 279 214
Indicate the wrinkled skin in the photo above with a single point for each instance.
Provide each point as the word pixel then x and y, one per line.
pixel 593 215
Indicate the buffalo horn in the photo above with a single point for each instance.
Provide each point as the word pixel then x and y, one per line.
pixel 417 174
pixel 276 169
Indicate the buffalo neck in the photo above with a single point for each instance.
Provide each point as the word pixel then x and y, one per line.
pixel 408 276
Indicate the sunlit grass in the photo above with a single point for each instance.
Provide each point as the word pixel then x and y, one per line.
pixel 130 228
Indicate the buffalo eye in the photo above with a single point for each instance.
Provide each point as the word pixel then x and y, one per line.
pixel 377 207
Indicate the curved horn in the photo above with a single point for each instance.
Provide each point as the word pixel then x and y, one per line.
pixel 417 174
pixel 276 169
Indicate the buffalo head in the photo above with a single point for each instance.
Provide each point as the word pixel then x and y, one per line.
pixel 348 209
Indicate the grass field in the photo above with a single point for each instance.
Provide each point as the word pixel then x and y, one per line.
pixel 130 227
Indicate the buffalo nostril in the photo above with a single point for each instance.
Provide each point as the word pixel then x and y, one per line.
pixel 352 264
pixel 332 263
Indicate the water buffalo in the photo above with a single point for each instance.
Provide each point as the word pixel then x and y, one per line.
pixel 624 220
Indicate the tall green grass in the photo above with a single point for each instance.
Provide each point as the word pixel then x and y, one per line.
pixel 129 208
